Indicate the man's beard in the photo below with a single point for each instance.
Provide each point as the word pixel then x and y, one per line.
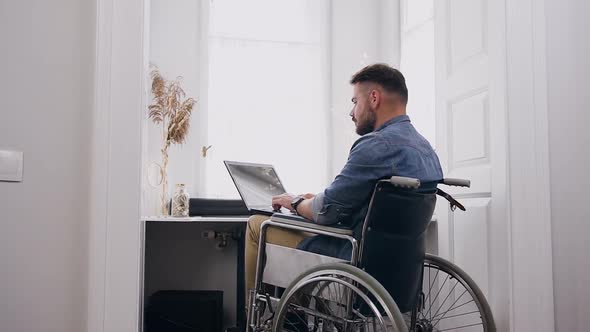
pixel 368 125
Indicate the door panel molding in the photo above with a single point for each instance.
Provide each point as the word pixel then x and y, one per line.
pixel 464 24
pixel 473 237
pixel 469 145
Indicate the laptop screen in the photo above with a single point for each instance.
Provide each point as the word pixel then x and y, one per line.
pixel 256 183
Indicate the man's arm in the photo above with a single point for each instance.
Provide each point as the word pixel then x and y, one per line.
pixel 370 159
pixel 350 189
pixel 304 208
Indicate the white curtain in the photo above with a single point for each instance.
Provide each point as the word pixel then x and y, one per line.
pixel 268 91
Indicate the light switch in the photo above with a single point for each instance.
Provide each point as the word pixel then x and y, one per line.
pixel 11 166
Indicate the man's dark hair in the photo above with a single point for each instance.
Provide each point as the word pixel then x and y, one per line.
pixel 389 78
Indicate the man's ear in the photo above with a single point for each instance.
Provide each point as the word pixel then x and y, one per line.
pixel 375 98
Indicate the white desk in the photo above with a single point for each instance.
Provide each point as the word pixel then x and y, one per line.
pixel 181 259
pixel 216 219
pixel 174 255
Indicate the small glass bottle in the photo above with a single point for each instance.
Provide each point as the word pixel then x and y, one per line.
pixel 180 201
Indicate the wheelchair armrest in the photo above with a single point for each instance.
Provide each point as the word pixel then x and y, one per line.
pixel 456 182
pixel 309 225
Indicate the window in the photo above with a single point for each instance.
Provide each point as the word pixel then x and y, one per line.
pixel 267 97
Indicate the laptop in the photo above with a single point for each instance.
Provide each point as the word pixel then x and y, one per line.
pixel 257 184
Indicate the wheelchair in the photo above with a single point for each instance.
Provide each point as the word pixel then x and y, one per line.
pixel 389 283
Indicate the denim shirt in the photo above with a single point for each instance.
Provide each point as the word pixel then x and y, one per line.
pixel 395 148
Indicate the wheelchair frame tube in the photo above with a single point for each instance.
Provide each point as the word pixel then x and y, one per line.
pixel 367 216
pixel 262 245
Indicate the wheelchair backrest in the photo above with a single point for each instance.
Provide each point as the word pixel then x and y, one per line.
pixel 394 241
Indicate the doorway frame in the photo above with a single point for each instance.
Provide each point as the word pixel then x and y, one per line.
pixel 120 94
pixel 529 189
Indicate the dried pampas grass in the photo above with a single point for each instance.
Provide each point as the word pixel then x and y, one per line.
pixel 170 109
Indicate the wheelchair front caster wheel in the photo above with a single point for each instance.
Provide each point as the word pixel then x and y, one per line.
pixel 424 326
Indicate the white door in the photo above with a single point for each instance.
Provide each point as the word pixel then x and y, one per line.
pixel 470 141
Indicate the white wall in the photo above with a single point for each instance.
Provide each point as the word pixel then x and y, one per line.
pixel 568 72
pixel 47 62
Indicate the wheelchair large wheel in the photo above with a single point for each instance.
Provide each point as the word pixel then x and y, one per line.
pixel 451 301
pixel 337 297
